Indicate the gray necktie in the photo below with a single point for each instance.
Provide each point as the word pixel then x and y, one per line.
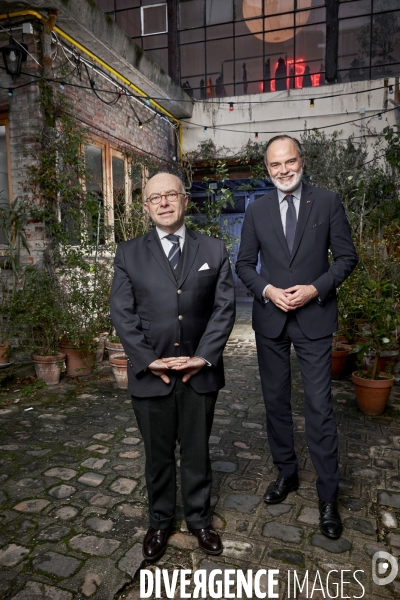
pixel 175 252
pixel 291 222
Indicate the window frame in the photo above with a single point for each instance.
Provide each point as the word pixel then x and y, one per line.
pixel 143 8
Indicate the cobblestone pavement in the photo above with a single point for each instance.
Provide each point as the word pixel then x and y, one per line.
pixel 73 498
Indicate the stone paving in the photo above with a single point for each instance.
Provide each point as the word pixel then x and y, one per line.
pixel 73 497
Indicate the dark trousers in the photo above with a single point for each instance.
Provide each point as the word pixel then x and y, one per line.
pixel 188 416
pixel 314 358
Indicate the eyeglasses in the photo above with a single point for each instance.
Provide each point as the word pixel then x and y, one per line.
pixel 170 196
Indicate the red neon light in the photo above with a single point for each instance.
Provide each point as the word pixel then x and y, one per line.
pixel 299 68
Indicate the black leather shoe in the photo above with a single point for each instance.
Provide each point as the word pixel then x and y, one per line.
pixel 155 543
pixel 330 522
pixel 278 490
pixel 209 540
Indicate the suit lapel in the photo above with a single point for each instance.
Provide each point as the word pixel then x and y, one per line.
pixel 275 213
pixel 190 249
pixel 155 247
pixel 306 202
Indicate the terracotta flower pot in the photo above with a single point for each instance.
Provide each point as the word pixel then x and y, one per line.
pixel 339 359
pixel 79 361
pixel 114 348
pixel 387 360
pixel 5 351
pixel 48 368
pixel 372 394
pixel 119 365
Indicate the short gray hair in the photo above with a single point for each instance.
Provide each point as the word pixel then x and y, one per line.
pixel 284 136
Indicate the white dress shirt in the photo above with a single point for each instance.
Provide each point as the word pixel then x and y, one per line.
pixel 283 206
pixel 166 244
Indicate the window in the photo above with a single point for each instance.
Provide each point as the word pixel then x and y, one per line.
pixel 5 175
pixel 154 19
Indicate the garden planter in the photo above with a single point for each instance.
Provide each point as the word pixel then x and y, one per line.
pixel 387 361
pixel 114 348
pixel 48 368
pixel 372 394
pixel 339 359
pixel 100 348
pixel 5 351
pixel 79 361
pixel 119 365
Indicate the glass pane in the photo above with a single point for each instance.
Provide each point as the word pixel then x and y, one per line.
pixel 160 57
pixel 94 189
pixel 249 76
pixel 254 26
pixel 376 72
pixel 354 9
pixel 149 2
pixel 219 31
pixel 193 60
pixel 278 58
pixel 219 12
pixel 354 48
pixel 4 193
pixel 193 86
pixel 386 41
pixel 308 3
pixel 154 19
pixel 192 35
pixel 307 17
pixel 191 13
pixel 119 203
pixel 119 4
pixel 277 7
pixel 218 53
pixel 381 5
pixel 129 21
pixel 310 55
pixel 248 46
pixel 105 5
pixel 155 41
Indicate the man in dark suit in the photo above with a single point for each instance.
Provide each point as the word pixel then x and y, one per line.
pixel 293 228
pixel 173 306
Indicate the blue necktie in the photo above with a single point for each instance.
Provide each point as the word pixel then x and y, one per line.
pixel 291 222
pixel 175 252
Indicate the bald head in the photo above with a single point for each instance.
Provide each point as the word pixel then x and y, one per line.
pixel 162 178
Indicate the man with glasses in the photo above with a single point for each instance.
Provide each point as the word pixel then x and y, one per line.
pixel 173 306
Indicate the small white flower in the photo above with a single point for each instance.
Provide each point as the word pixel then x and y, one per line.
pixel 385 340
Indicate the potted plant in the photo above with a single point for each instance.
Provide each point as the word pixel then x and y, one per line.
pixel 85 289
pixel 113 344
pixel 36 315
pixel 373 387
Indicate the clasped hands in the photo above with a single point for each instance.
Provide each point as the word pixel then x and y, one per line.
pixel 190 364
pixel 291 298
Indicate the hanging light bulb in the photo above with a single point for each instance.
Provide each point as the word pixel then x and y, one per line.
pixel 205 130
pixel 380 116
pixel 147 101
pixel 312 104
pixel 140 125
pixel 62 86
pixel 390 89
pixel 231 107
pixel 10 93
pixel 92 83
pixel 256 136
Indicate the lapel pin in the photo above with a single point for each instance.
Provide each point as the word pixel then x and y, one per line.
pixel 308 201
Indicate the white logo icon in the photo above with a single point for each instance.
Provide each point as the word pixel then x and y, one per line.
pixel 380 564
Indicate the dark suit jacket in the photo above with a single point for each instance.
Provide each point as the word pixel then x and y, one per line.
pixel 322 226
pixel 156 317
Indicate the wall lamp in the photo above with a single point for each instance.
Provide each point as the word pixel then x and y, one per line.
pixel 13 56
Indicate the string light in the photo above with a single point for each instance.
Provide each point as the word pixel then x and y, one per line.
pixel 256 136
pixel 140 125
pixel 312 103
pixel 10 93
pixel 92 82
pixel 147 101
pixel 380 116
pixel 205 130
pixel 62 87
pixel 390 89
pixel 231 107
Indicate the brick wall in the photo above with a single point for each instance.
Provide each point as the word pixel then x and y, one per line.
pixel 114 124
